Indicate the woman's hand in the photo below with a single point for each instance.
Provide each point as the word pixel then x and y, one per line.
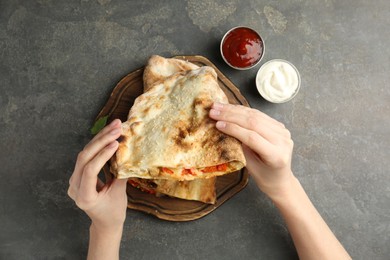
pixel 267 144
pixel 268 150
pixel 105 204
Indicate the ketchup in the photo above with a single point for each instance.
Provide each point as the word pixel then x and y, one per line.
pixel 242 47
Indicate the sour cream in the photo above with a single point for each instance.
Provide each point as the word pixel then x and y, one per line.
pixel 278 81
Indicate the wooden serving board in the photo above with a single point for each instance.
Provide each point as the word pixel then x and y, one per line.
pixel 167 208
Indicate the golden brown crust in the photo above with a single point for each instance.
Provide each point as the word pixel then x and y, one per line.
pixel 159 68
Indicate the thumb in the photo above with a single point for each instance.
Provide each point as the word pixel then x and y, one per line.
pixel 119 185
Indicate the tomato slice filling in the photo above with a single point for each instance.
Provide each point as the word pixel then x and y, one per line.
pixel 166 170
pixel 133 183
pixel 191 171
pixel 216 168
pixel 138 186
pixel 188 171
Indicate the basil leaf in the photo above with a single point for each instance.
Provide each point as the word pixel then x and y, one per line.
pixel 99 125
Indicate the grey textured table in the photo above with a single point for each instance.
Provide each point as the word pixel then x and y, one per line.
pixel 59 60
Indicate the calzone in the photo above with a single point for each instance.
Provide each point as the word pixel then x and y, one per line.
pixel 204 190
pixel 169 135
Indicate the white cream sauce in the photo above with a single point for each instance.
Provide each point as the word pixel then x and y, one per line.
pixel 277 81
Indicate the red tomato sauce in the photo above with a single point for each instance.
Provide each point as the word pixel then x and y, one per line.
pixel 242 47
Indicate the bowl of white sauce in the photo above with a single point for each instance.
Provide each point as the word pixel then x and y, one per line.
pixel 278 81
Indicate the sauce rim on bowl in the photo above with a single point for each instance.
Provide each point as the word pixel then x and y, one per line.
pixel 242 48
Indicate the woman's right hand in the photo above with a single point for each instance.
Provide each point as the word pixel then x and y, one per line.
pixel 268 150
pixel 267 144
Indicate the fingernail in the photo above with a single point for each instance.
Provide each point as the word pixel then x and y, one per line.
pixel 112 145
pixel 220 124
pixel 217 105
pixel 115 131
pixel 115 122
pixel 214 112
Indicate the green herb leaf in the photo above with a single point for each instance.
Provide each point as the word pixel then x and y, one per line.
pixel 99 125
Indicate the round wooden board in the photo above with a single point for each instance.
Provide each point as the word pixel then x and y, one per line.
pixel 167 208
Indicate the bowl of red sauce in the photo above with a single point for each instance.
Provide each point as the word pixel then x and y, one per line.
pixel 242 48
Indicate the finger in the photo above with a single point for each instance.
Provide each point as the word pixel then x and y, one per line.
pixel 89 178
pixel 119 184
pixel 118 187
pixel 234 112
pixel 72 193
pixel 253 160
pixel 247 118
pixel 99 185
pixel 115 123
pixel 72 188
pixel 251 119
pixel 93 148
pixel 105 136
pixel 113 129
pixel 248 137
